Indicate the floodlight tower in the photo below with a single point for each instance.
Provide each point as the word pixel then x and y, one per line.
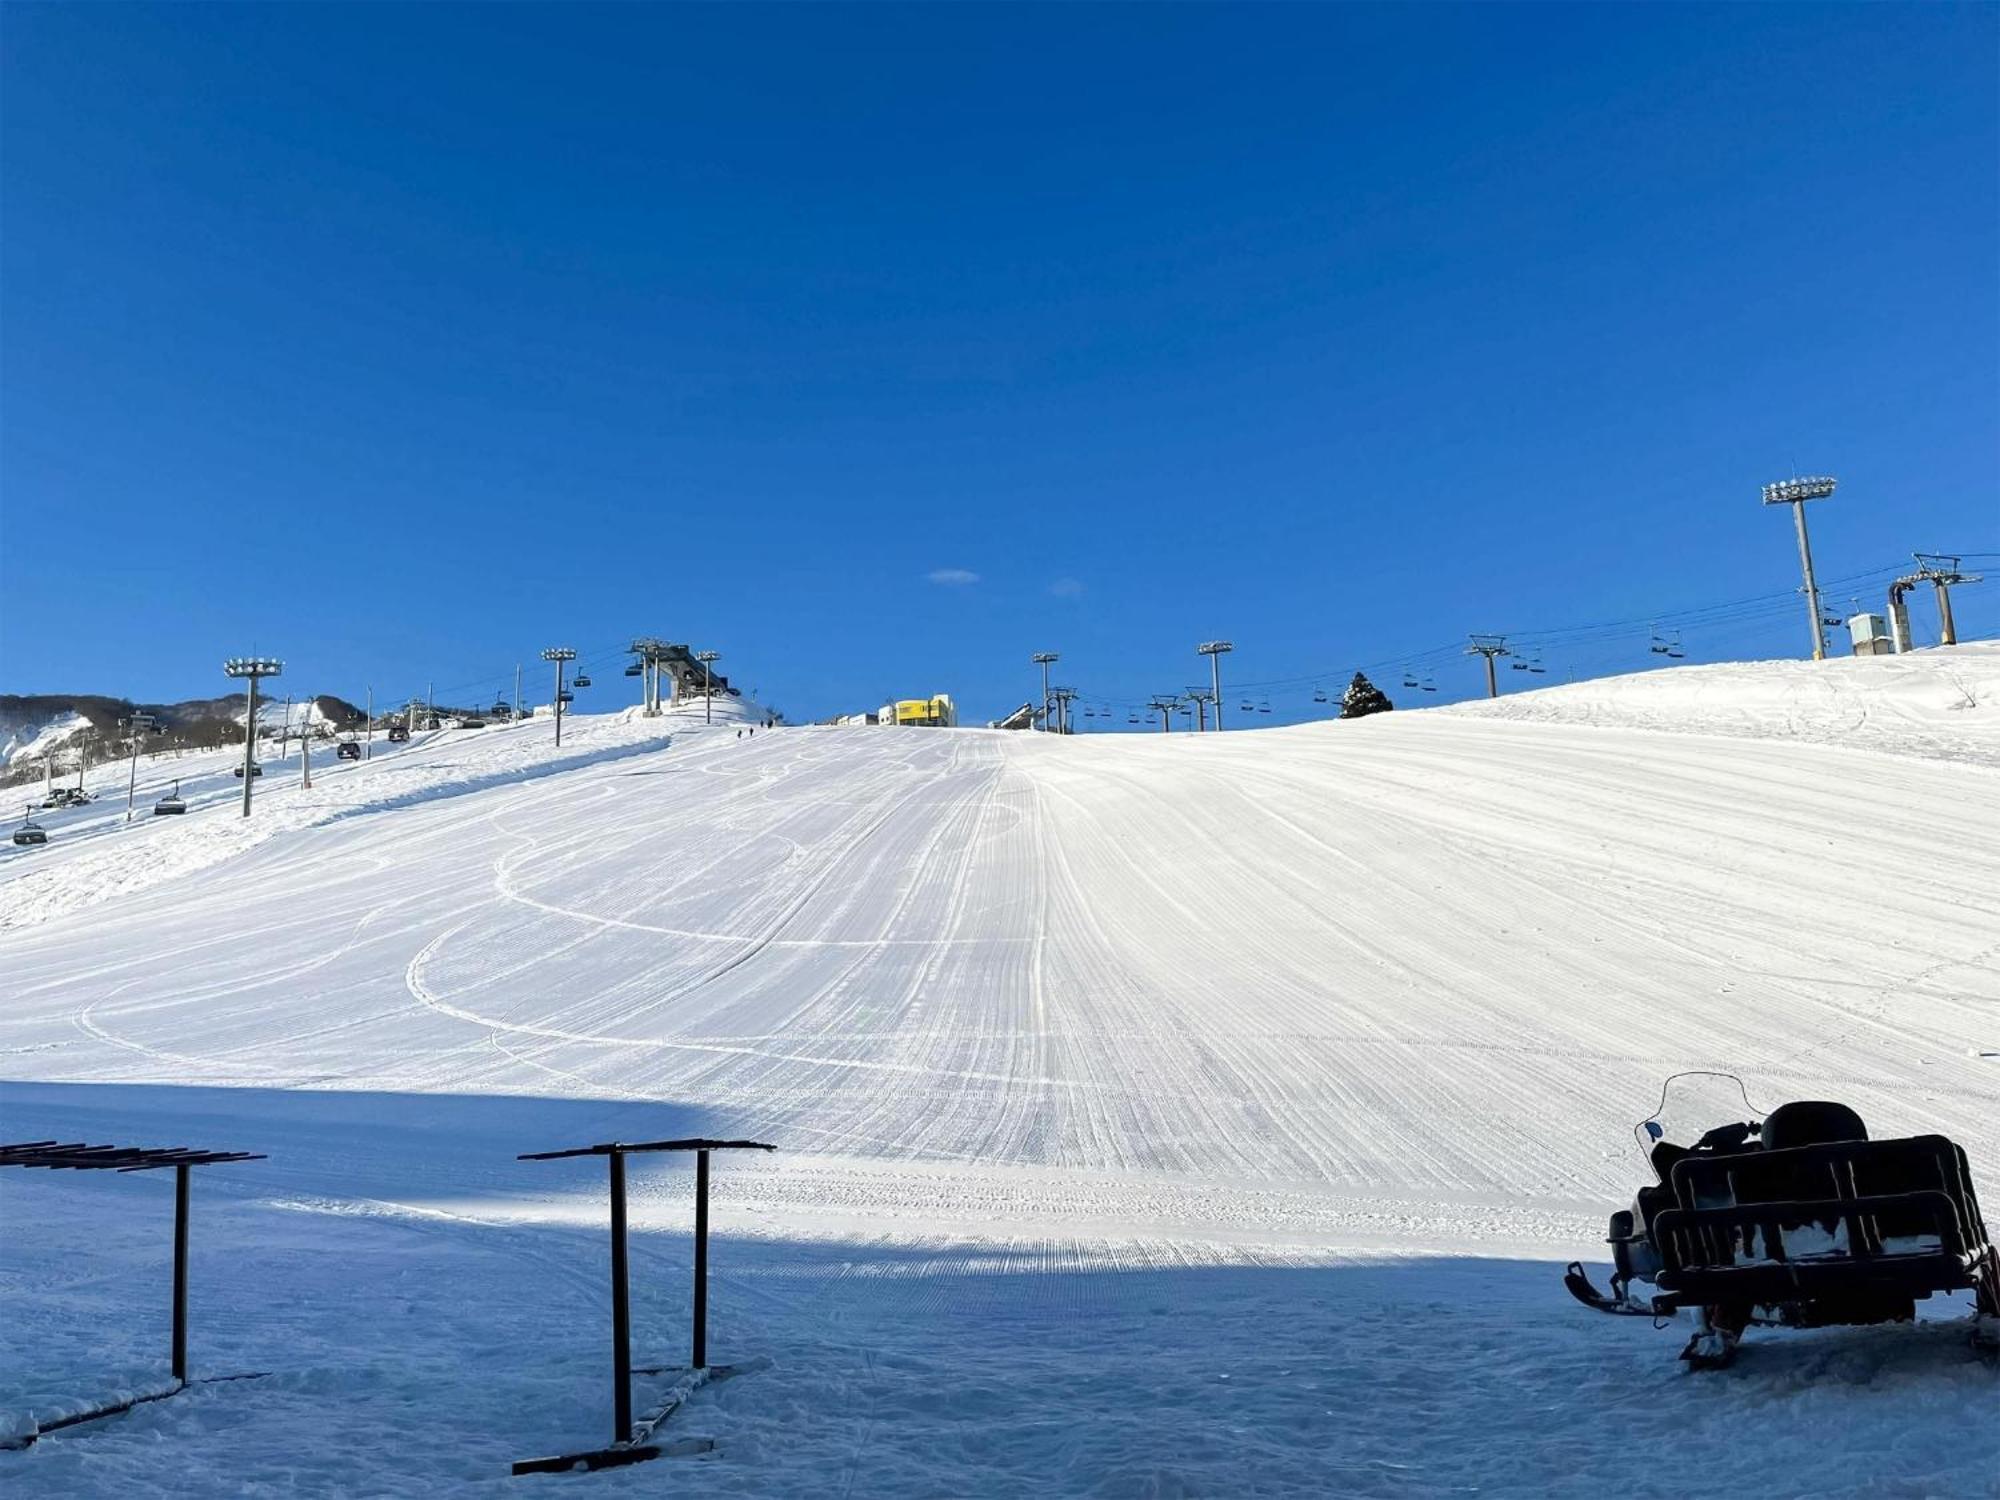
pixel 559 655
pixel 138 724
pixel 707 685
pixel 1795 493
pixel 1489 646
pixel 1043 659
pixel 1214 650
pixel 251 669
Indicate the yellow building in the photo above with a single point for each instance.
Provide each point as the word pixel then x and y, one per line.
pixel 937 711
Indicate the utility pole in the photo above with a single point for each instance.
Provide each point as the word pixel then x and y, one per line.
pixel 1214 650
pixel 559 655
pixel 1491 646
pixel 251 669
pixel 1941 572
pixel 1164 707
pixel 134 726
pixel 707 685
pixel 1042 659
pixel 1795 493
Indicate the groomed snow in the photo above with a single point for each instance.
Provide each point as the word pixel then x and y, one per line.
pixel 1158 1116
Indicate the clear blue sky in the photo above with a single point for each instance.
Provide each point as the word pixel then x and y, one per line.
pixel 402 342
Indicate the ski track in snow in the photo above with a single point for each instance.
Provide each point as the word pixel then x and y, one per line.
pixel 1177 1115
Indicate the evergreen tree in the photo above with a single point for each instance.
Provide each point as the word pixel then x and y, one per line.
pixel 1363 698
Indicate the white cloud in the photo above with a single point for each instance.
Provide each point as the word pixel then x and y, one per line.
pixel 953 577
pixel 1067 588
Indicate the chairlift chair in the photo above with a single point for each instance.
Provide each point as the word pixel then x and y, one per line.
pixel 30 832
pixel 582 679
pixel 565 696
pixel 1319 695
pixel 347 750
pixel 1535 665
pixel 1410 680
pixel 399 734
pixel 1430 686
pixel 255 770
pixel 170 804
pixel 635 670
pixel 1131 718
pixel 1264 707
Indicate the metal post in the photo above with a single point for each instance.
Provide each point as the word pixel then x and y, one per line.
pixel 517 691
pixel 1812 586
pixel 1492 678
pixel 132 781
pixel 249 745
pixel 1947 631
pixel 368 753
pixel 559 702
pixel 1215 686
pixel 700 1361
pixel 180 1272
pixel 285 729
pixel 707 695
pixel 621 1307
pixel 305 759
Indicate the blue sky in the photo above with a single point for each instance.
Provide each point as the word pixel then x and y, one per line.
pixel 878 348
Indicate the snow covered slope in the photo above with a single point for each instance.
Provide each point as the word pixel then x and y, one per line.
pixel 1176 1115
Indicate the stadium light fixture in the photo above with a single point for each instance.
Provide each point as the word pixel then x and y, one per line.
pixel 1795 493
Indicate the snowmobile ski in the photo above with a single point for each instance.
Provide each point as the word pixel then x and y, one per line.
pixel 1581 1288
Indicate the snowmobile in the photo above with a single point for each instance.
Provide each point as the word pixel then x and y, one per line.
pixel 1795 1220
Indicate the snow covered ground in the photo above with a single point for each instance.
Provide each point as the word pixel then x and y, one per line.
pixel 1157 1116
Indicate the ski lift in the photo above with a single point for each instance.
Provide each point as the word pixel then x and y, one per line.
pixel 1429 685
pixel 565 696
pixel 1131 718
pixel 1518 664
pixel 170 804
pixel 583 679
pixel 1535 664
pixel 399 734
pixel 347 750
pixel 635 670
pixel 1410 679
pixel 1246 706
pixel 255 770
pixel 1319 694
pixel 1264 707
pixel 30 832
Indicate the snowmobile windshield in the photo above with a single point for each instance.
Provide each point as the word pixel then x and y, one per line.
pixel 1691 1106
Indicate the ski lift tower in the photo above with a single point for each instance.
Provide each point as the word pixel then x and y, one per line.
pixel 251 669
pixel 1941 572
pixel 1490 647
pixel 137 725
pixel 559 655
pixel 1214 651
pixel 1795 493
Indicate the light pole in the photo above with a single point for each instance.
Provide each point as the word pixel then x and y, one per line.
pixel 1044 659
pixel 251 669
pixel 707 685
pixel 559 655
pixel 1214 650
pixel 1795 493
pixel 135 726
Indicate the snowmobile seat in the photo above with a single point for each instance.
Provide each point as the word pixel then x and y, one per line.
pixel 1811 1122
pixel 1856 1222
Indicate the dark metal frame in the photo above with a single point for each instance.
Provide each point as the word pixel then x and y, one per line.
pixel 629 1443
pixel 77 1156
